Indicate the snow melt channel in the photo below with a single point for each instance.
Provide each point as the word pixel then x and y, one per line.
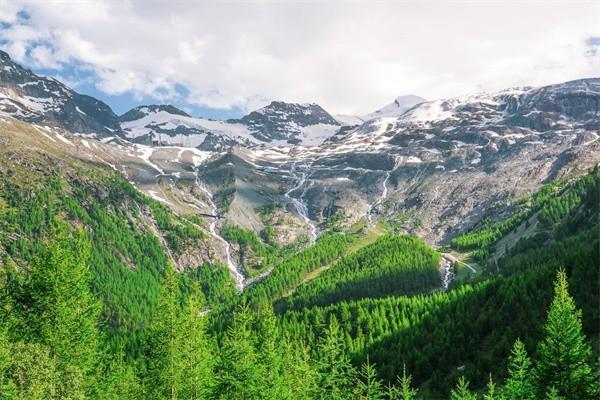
pixel 212 228
pixel 301 207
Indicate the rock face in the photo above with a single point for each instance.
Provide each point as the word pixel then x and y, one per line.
pixel 400 105
pixel 47 101
pixel 286 121
pixel 430 170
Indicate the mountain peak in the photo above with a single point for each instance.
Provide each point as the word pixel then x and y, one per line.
pixel 4 56
pixel 141 111
pixel 400 105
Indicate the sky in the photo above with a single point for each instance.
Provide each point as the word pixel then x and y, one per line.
pixel 221 59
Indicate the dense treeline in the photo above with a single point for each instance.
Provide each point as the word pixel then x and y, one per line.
pixel 554 201
pixel 392 265
pixel 91 308
pixel 290 272
pixel 51 348
pixel 469 329
pixel 127 259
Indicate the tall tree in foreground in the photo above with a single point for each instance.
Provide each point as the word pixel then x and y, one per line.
pixel 238 371
pixel 564 354
pixel 519 385
pixel 165 373
pixel 336 373
pixel 462 392
pixel 197 357
pixel 62 313
pixel 404 390
pixel 368 385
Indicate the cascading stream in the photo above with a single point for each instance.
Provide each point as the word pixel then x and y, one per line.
pixel 384 193
pixel 299 204
pixel 234 269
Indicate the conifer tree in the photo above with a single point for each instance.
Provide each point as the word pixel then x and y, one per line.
pixel 404 390
pixel 165 373
pixel 368 385
pixel 462 392
pixel 335 371
pixel 196 352
pixel 267 347
pixel 519 385
pixel 564 353
pixel 298 375
pixel 238 371
pixel 553 394
pixel 63 314
pixel 119 380
pixel 490 392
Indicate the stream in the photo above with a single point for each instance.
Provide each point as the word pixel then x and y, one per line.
pixel 236 272
pixel 299 204
pixel 447 273
pixel 379 202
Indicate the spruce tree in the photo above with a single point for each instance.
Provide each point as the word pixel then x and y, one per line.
pixel 197 354
pixel 238 372
pixel 564 353
pixel 63 313
pixel 404 390
pixel 368 385
pixel 490 392
pixel 462 392
pixel 519 385
pixel 164 378
pixel 298 375
pixel 336 373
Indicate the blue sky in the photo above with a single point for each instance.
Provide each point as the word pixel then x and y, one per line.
pixel 83 82
pixel 224 59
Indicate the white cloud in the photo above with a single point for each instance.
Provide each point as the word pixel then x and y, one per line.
pixel 350 57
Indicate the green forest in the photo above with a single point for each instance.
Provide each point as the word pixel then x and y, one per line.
pixel 93 307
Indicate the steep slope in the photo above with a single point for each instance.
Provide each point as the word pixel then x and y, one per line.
pixel 34 98
pixel 47 180
pixel 166 125
pixel 397 108
pixel 292 123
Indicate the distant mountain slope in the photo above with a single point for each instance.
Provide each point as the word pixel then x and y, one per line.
pixel 296 123
pixel 397 108
pixel 34 98
pixel 276 124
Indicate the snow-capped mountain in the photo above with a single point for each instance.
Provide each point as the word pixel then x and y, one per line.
pixel 278 123
pixel 292 122
pixel 47 101
pixel 437 164
pixel 168 125
pixel 397 108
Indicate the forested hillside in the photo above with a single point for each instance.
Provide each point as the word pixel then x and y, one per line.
pixel 134 240
pixel 93 307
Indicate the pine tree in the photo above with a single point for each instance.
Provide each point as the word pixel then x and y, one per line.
pixel 197 359
pixel 238 371
pixel 298 375
pixel 404 390
pixel 267 343
pixel 63 313
pixel 335 371
pixel 368 385
pixel 564 354
pixel 164 357
pixel 490 393
pixel 119 380
pixel 553 394
pixel 34 374
pixel 519 385
pixel 462 392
